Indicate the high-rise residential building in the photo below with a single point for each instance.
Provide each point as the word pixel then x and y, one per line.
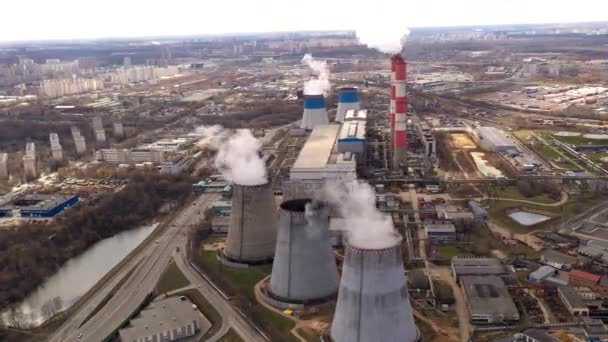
pixel 3 165
pixel 29 161
pixel 100 135
pixel 80 143
pixel 118 129
pixel 126 62
pixel 56 150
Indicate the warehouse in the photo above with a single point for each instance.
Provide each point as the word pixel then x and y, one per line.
pixel 572 301
pixel 38 205
pixel 320 160
pixel 440 232
pixel 352 138
pixel 488 300
pixel 464 266
pixel 493 139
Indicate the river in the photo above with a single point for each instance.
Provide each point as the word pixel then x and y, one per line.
pixel 76 277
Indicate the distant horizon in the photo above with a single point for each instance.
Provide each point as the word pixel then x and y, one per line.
pixel 69 20
pixel 241 34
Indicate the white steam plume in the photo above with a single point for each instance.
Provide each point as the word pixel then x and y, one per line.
pixel 238 158
pixel 319 85
pixel 365 226
pixel 387 35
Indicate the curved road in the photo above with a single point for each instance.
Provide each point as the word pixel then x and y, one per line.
pixel 142 273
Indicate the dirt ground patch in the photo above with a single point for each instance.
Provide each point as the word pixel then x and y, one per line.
pixel 462 140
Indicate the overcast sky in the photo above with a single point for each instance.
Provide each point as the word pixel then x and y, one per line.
pixel 73 19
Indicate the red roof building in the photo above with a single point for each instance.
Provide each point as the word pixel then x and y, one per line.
pixel 582 278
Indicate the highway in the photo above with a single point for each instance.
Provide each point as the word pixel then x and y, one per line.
pixel 143 272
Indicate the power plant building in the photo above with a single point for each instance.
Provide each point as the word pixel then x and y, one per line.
pixel 80 143
pixel 488 300
pixel 348 99
pixel 495 140
pixel 304 270
pixel 252 234
pixel 352 138
pixel 373 301
pixel 319 159
pixel 3 165
pixel 100 135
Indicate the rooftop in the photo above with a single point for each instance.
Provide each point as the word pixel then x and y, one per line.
pixel 37 201
pixel 488 295
pixel 352 130
pixel 540 336
pixel 356 115
pixel 318 148
pixel 572 297
pixel 584 275
pixel 495 136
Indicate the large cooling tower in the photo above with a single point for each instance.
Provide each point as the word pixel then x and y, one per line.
pixel 315 113
pixel 253 224
pixel 304 268
pixel 373 303
pixel 348 99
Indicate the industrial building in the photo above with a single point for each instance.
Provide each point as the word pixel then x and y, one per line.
pixel 488 300
pixel 428 141
pixel 493 139
pixel 373 301
pixel 558 259
pixel 3 165
pixel 169 319
pixel 541 274
pixel 100 135
pixel 319 159
pixel 572 301
pixel 472 266
pixel 175 164
pixel 37 205
pixel 134 156
pixel 315 113
pixel 478 211
pixel 348 99
pixel 352 138
pixel 304 270
pixel 438 233
pixel 252 234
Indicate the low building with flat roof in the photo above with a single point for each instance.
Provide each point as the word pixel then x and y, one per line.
pixel 38 205
pixel 558 259
pixel 572 301
pixel 169 319
pixel 535 335
pixel 440 232
pixel 471 266
pixel 541 274
pixel 488 300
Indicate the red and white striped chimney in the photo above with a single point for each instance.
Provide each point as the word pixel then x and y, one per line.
pixel 399 103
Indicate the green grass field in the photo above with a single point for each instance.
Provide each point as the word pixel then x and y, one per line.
pixel 596 157
pixel 580 140
pixel 513 193
pixel 171 279
pixel 448 251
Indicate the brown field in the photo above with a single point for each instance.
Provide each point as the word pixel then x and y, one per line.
pixel 462 140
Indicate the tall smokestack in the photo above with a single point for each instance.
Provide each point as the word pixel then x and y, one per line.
pixel 304 268
pixel 315 113
pixel 348 99
pixel 252 232
pixel 398 91
pixel 373 302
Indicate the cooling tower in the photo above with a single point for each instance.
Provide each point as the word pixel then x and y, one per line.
pixel 304 268
pixel 348 99
pixel 315 113
pixel 253 224
pixel 373 303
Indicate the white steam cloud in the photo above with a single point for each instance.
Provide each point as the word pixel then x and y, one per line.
pixel 238 158
pixel 320 84
pixel 387 34
pixel 365 226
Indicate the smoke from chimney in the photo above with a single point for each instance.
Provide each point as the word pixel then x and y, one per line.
pixel 238 158
pixel 388 34
pixel 365 226
pixel 319 85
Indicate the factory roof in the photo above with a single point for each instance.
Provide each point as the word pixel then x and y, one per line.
pixel 488 295
pixel 318 148
pixel 37 202
pixel 495 136
pixel 540 336
pixel 352 131
pixel 558 257
pixel 354 115
pixel 162 316
pixel 584 275
pixel 570 295
pixel 478 266
pixel 439 227
pixel 542 273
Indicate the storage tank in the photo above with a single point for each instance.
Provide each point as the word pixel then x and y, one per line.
pixel 304 268
pixel 373 302
pixel 253 224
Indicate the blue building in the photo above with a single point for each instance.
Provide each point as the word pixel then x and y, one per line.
pixel 38 205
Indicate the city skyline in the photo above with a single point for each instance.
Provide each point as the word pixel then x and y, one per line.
pixel 70 19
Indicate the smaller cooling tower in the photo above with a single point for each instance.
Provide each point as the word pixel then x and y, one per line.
pixel 304 268
pixel 315 113
pixel 253 220
pixel 348 99
pixel 373 302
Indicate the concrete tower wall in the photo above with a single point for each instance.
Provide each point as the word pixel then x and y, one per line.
pixel 304 267
pixel 253 224
pixel 373 302
pixel 348 99
pixel 315 113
